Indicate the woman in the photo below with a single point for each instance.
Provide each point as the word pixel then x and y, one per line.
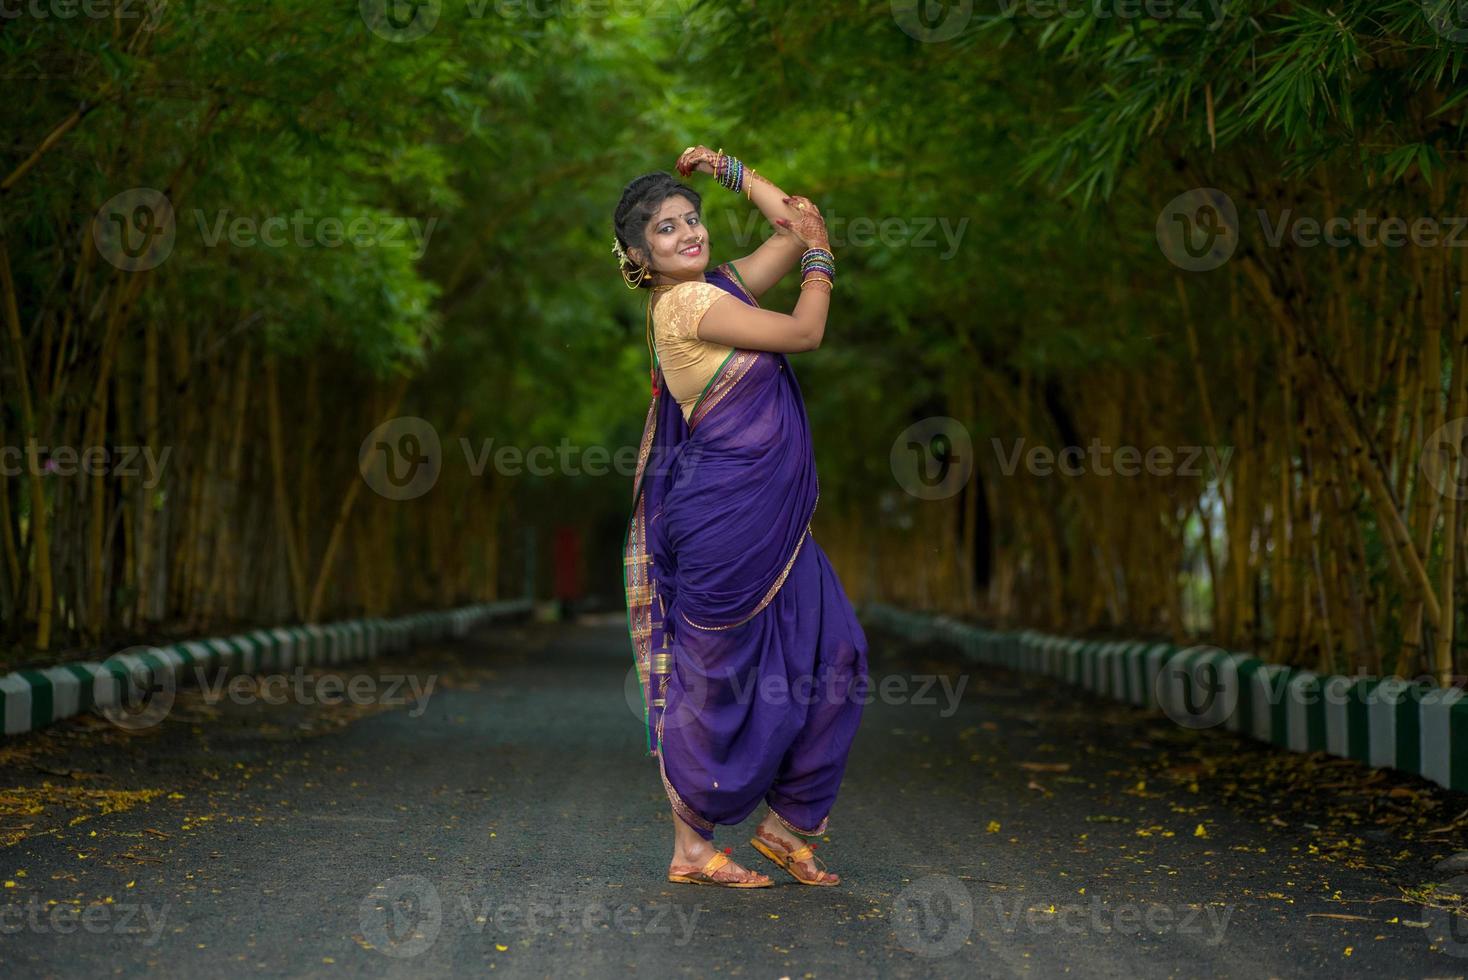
pixel 752 663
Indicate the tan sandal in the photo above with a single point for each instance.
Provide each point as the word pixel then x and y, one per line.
pixel 706 876
pixel 790 860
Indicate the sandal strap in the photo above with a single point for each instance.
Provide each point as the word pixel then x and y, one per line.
pixel 807 853
pixel 715 863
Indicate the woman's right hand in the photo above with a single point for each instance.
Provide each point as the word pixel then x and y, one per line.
pixel 809 225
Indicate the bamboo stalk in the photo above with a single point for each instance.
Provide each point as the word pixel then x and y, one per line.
pixel 344 512
pixel 1443 665
pixel 148 405
pixel 282 497
pixel 40 538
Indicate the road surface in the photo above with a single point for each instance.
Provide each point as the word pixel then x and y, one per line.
pixel 482 808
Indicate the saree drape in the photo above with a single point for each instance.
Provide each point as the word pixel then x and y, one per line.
pixel 750 658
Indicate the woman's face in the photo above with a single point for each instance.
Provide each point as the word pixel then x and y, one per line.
pixel 678 240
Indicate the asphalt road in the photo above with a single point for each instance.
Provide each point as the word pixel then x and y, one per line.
pixel 503 822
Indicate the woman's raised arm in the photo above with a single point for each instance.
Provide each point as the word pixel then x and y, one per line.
pixel 777 255
pixel 738 324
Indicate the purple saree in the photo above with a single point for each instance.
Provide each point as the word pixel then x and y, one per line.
pixel 752 663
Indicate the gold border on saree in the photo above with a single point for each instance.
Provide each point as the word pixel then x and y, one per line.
pixel 770 595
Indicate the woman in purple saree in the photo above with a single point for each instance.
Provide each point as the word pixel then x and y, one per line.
pixel 751 660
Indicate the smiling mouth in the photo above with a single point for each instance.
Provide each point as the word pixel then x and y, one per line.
pixel 691 250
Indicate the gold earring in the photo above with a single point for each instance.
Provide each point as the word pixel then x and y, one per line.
pixel 634 281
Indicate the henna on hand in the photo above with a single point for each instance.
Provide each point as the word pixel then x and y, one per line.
pixel 809 226
pixel 699 158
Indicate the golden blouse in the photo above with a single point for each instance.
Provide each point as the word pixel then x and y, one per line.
pixel 688 363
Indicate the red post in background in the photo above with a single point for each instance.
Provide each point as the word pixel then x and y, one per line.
pixel 570 584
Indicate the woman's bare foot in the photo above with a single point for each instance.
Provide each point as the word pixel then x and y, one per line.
pixel 782 841
pixel 691 853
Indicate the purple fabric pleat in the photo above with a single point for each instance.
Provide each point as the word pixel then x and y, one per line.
pixel 752 661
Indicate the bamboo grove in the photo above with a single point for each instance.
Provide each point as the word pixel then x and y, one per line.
pixel 225 394
pixel 1327 372
pixel 1318 384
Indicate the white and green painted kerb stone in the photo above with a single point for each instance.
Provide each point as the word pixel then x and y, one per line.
pixel 31 699
pixel 1386 723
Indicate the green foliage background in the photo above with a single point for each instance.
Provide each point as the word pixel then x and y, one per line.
pixel 1046 136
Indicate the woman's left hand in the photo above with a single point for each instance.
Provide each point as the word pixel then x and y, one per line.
pixel 699 158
